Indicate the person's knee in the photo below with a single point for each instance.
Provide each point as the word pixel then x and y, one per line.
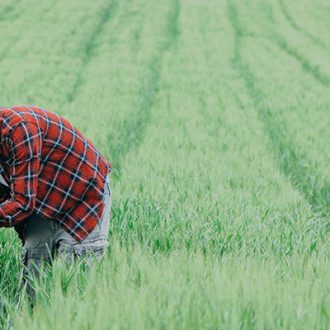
pixel 34 257
pixel 35 261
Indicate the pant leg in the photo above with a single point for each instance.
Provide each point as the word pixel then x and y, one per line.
pixel 38 249
pixel 95 244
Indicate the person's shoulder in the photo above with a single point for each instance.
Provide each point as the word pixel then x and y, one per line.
pixel 13 116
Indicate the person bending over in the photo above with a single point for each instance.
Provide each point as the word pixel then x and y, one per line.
pixel 55 188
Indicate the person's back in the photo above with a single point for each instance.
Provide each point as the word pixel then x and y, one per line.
pixel 71 170
pixel 58 181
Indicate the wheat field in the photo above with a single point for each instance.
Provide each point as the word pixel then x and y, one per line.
pixel 215 115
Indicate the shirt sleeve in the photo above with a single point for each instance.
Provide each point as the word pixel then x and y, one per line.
pixel 24 144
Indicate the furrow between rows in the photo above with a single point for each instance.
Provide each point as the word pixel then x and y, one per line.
pixel 8 10
pixel 306 64
pixel 293 164
pixel 89 47
pixel 132 130
pixel 298 28
pixel 45 56
pixel 10 22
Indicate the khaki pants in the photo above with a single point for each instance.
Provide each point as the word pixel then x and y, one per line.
pixel 45 239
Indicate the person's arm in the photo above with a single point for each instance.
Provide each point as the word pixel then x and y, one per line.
pixel 24 144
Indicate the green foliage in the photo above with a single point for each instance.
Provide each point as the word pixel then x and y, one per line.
pixel 215 115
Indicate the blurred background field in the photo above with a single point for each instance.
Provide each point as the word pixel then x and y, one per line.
pixel 215 115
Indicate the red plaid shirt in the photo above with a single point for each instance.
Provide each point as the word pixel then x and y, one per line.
pixel 51 169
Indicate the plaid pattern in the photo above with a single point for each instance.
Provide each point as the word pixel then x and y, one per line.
pixel 51 169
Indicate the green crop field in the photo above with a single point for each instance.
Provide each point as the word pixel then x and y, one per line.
pixel 215 115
